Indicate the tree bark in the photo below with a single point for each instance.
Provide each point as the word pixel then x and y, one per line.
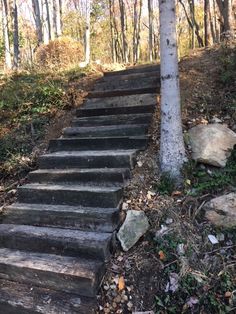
pixel 87 32
pixel 150 15
pixel 5 27
pixel 113 54
pixel 193 25
pixel 57 18
pixel 225 8
pixel 16 36
pixel 172 151
pixel 124 40
pixel 38 22
pixel 48 20
pixel 206 22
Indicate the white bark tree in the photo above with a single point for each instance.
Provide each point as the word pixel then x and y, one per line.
pixel 150 14
pixel 172 150
pixel 16 55
pixel 5 27
pixel 38 21
pixel 87 32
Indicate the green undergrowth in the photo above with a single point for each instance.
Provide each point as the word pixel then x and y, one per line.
pixel 28 101
pixel 203 179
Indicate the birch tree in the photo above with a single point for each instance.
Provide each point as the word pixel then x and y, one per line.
pixel 16 54
pixel 38 21
pixel 172 151
pixel 150 15
pixel 87 32
pixel 5 27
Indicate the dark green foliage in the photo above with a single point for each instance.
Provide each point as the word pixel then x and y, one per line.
pixel 205 180
pixel 166 185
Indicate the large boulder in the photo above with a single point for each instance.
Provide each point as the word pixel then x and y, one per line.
pixel 221 211
pixel 211 144
pixel 134 226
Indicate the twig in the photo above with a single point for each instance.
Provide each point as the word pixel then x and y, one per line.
pixel 222 248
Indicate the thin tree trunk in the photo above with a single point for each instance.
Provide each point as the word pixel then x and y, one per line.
pixel 135 31
pixel 48 20
pixel 124 41
pixel 56 18
pixel 16 36
pixel 172 151
pixel 206 22
pixel 112 32
pixel 5 27
pixel 38 22
pixel 87 32
pixel 194 25
pixel 150 14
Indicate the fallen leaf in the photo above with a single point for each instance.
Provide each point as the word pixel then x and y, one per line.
pixel 121 283
pixel 162 255
pixel 213 239
pixel 176 193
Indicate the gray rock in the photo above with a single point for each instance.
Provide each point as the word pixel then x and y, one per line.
pixel 134 226
pixel 211 144
pixel 221 211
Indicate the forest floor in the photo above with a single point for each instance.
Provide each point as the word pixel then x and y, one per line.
pixel 174 268
pixel 152 276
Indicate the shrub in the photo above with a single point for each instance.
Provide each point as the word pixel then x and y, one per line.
pixel 59 54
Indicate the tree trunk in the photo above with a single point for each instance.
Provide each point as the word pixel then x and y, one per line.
pixel 193 24
pixel 150 14
pixel 5 27
pixel 206 22
pixel 48 20
pixel 172 151
pixel 15 36
pixel 87 32
pixel 124 41
pixel 135 31
pixel 112 32
pixel 57 18
pixel 226 11
pixel 38 22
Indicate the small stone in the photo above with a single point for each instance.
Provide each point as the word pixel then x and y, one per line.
pixel 130 304
pixel 228 294
pixel 114 305
pixel 213 239
pixel 117 299
pixel 134 227
pixel 125 206
pixel 125 297
pixel 140 164
pixel 106 288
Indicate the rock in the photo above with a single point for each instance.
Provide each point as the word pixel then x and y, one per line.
pixel 216 120
pixel 211 144
pixel 221 211
pixel 134 226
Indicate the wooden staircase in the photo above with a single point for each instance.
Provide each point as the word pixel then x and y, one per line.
pixel 55 240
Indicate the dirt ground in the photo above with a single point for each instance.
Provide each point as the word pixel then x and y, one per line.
pixel 154 275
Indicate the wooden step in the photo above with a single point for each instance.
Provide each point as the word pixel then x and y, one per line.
pixel 137 83
pixel 99 176
pixel 137 69
pixel 63 216
pixel 138 118
pixel 130 100
pixel 124 92
pixel 55 241
pixel 62 273
pixel 99 143
pixel 84 112
pixel 106 131
pixel 132 76
pixel 64 194
pixel 89 159
pixel 17 298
